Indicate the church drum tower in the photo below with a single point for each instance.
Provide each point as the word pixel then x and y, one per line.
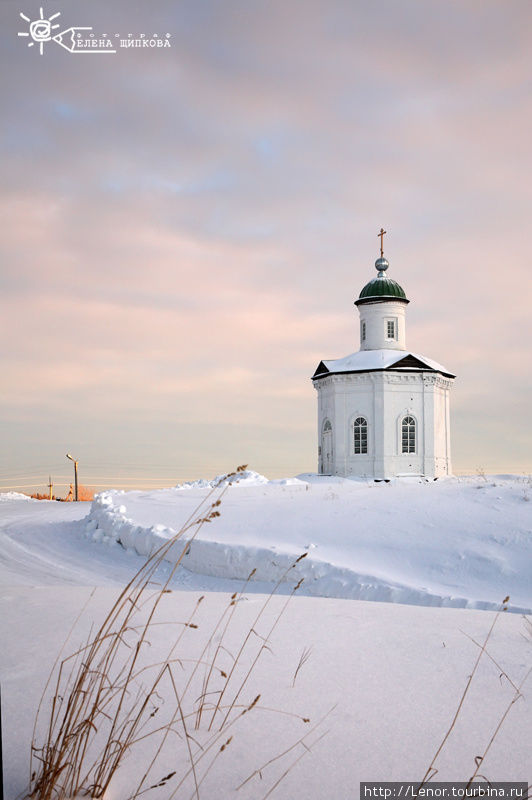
pixel 383 411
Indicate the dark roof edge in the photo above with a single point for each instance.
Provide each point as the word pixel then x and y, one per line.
pixel 321 375
pixel 379 299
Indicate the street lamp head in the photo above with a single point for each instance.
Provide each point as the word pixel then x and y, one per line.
pixel 75 476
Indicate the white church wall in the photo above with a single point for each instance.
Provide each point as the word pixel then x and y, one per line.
pixel 384 399
pixel 358 394
pixel 403 397
pixel 326 411
pixel 375 316
pixel 442 430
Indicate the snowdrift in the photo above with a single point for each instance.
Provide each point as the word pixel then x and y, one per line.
pixel 459 542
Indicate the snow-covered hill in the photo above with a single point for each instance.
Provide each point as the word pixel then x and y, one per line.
pixel 461 542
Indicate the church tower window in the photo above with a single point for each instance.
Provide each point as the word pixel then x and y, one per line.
pixel 390 329
pixel 360 429
pixel 408 435
pixel 363 331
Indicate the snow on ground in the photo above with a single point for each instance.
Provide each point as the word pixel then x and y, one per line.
pixel 7 496
pixel 463 542
pixel 390 674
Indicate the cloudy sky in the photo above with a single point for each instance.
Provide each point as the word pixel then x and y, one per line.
pixel 184 230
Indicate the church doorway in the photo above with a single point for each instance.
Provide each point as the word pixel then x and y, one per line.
pixel 327 448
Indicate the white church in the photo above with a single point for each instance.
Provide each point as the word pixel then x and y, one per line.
pixel 383 411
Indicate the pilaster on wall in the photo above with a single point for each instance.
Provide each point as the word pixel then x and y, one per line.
pixel 448 433
pixel 429 411
pixel 339 430
pixel 378 421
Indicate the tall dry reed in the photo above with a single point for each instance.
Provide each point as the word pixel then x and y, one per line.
pixel 109 701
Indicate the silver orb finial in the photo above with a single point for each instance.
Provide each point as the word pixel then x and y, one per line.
pixel 381 265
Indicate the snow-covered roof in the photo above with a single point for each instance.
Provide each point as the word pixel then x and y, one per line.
pixel 372 360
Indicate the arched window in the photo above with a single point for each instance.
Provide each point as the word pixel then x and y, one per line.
pixel 360 431
pixel 327 425
pixel 408 435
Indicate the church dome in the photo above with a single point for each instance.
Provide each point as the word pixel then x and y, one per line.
pixel 381 287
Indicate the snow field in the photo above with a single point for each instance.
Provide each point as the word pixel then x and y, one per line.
pixel 391 677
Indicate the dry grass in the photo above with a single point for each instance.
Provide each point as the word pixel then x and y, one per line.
pixel 108 698
pixel 303 658
pixel 478 760
pixel 84 494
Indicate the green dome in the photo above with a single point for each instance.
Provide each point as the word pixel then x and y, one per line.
pixel 382 287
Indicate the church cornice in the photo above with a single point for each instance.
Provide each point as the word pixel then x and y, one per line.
pixel 409 375
pixel 386 376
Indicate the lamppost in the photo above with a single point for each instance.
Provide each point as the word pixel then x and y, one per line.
pixel 75 476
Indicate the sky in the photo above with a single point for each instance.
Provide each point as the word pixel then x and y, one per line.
pixel 184 229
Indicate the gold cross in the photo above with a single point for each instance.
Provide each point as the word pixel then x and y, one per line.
pixel 381 234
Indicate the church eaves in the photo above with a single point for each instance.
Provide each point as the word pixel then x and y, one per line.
pixel 379 361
